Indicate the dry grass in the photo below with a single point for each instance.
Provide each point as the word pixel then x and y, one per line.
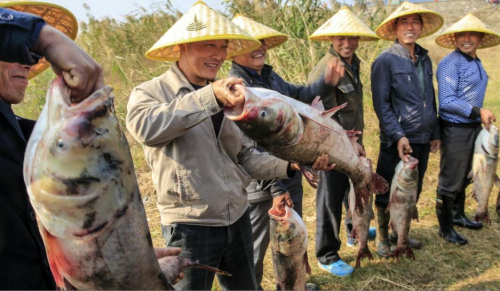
pixel 119 47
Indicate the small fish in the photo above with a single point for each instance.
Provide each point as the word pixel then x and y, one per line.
pixel 288 235
pixel 484 168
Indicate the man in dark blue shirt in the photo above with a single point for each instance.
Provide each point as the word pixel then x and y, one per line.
pixel 403 97
pixel 462 83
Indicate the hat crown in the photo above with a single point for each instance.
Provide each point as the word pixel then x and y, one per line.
pixel 201 23
pixel 344 23
pixel 260 31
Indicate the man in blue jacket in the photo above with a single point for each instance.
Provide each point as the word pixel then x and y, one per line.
pixel 462 83
pixel 403 97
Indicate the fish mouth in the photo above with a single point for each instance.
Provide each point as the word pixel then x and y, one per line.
pixel 412 163
pixel 239 111
pixel 274 214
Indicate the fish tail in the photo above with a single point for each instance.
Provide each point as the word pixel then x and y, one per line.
pixel 485 217
pixel 363 253
pixel 403 250
pixel 378 184
pixel 196 265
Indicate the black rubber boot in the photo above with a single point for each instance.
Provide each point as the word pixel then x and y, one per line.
pixel 444 212
pixel 459 218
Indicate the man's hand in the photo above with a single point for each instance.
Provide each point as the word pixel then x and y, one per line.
pixel 280 202
pixel 404 148
pixel 224 94
pixel 321 164
pixel 487 117
pixel 435 145
pixel 80 72
pixel 170 264
pixel 311 172
pixel 334 72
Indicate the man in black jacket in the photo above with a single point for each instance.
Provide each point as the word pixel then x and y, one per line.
pixel 404 101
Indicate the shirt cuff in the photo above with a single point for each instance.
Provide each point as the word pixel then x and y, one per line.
pixel 475 113
pixel 208 100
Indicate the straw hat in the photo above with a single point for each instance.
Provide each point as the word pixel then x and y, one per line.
pixel 344 23
pixel 272 37
pixel 432 21
pixel 55 15
pixel 198 24
pixel 468 23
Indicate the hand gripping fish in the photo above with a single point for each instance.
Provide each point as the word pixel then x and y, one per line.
pixel 294 131
pixel 484 168
pixel 288 237
pixel 402 204
pixel 81 182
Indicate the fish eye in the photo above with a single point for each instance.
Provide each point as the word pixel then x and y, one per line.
pixel 61 145
pixel 263 113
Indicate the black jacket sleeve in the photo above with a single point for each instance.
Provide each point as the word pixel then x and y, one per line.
pixel 19 32
pixel 305 94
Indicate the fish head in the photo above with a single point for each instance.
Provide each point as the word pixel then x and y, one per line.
pixel 266 117
pixel 78 169
pixel 409 173
pixel 288 232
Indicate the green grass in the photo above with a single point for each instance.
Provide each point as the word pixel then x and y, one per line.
pixel 120 48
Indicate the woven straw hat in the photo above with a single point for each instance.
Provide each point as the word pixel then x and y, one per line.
pixel 55 15
pixel 272 37
pixel 201 23
pixel 344 23
pixel 468 23
pixel 432 21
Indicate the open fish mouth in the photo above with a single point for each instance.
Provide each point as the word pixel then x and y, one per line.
pixel 240 111
pixel 274 214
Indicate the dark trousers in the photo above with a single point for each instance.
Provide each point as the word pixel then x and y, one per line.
pixel 457 151
pixel 228 248
pixel 259 219
pixel 333 189
pixel 388 159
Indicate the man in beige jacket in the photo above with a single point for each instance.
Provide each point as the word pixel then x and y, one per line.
pixel 201 163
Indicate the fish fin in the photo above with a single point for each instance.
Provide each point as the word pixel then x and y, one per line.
pixel 354 232
pixel 330 112
pixel 361 197
pixel 378 185
pixel 317 122
pixel 318 104
pixel 470 176
pixel 68 285
pixel 349 214
pixel 308 267
pixel 485 217
pixel 352 133
pixel 392 198
pixel 363 253
pixel 497 181
pixel 57 260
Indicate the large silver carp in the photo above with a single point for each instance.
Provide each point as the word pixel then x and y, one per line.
pixel 361 217
pixel 81 182
pixel 297 132
pixel 402 204
pixel 288 237
pixel 484 168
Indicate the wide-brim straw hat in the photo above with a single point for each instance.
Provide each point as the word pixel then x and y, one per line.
pixel 54 15
pixel 468 23
pixel 272 37
pixel 431 20
pixel 344 23
pixel 201 23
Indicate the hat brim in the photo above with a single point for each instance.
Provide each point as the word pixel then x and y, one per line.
pixel 326 36
pixel 54 15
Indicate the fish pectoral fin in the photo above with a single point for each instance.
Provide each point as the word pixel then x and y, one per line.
pixel 306 261
pixel 318 104
pixel 471 176
pixel 317 122
pixel 392 198
pixel 415 213
pixel 497 181
pixel 329 113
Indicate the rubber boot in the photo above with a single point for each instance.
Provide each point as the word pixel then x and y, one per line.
pixel 444 212
pixel 459 218
pixel 382 238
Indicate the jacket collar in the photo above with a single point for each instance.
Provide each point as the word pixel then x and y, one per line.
pixel 244 71
pixel 177 80
pixel 419 51
pixel 466 56
pixel 6 111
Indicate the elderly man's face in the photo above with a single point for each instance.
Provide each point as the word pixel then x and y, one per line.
pixel 13 82
pixel 200 61
pixel 408 28
pixel 345 46
pixel 468 41
pixel 254 60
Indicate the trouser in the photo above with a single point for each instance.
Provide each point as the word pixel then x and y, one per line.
pixel 228 248
pixel 260 220
pixel 388 159
pixel 457 151
pixel 333 191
